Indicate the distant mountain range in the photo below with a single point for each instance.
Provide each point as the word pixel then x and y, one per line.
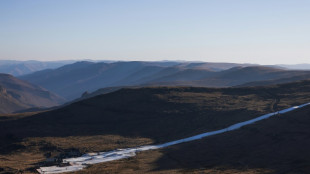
pixel 71 81
pixel 17 95
pixel 303 66
pixel 18 68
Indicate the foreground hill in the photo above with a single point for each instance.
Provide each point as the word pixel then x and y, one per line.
pixel 16 95
pixel 132 117
pixel 276 145
pixel 72 80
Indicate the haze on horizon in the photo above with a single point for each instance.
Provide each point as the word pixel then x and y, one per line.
pixel 240 31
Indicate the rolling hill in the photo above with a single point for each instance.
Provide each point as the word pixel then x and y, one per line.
pixel 16 95
pixel 277 81
pixel 134 116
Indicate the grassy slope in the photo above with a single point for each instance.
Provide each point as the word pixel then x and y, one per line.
pixel 131 117
pixel 277 145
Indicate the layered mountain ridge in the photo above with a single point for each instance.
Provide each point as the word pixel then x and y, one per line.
pixel 71 81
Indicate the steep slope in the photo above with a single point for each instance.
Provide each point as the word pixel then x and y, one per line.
pixel 9 103
pixel 17 95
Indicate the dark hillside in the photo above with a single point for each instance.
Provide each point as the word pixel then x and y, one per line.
pixel 134 116
pixel 277 145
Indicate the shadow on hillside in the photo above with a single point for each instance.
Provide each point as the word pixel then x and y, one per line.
pixel 279 144
pixel 133 116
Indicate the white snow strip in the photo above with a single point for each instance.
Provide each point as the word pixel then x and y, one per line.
pixel 93 158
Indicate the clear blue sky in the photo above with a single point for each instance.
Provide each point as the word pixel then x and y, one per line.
pixel 253 31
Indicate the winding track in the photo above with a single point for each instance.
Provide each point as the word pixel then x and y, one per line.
pixel 92 158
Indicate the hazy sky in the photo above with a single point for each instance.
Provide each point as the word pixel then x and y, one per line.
pixel 253 31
